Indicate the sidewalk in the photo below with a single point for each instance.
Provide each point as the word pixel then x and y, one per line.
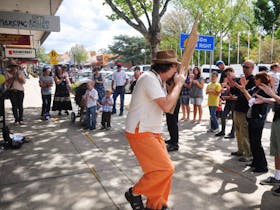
pixel 64 167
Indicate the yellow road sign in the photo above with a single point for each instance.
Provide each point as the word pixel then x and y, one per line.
pixel 53 54
pixel 53 61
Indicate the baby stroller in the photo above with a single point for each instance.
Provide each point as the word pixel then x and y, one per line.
pixel 79 92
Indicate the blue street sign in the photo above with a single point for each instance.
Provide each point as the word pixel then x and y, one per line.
pixel 206 43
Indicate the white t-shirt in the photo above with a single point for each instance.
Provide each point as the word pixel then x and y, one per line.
pixel 144 112
pixel 91 97
pixel 119 78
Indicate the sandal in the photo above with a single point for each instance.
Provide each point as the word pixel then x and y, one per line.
pixel 135 201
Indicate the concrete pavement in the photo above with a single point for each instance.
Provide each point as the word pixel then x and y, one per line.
pixel 65 167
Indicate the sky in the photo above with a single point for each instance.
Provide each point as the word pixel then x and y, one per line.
pixel 85 22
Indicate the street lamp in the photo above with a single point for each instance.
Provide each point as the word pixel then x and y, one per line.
pixel 143 51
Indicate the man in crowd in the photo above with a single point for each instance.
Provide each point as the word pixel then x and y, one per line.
pixel 240 113
pixel 120 79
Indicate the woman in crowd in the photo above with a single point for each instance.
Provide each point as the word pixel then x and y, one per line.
pixel 256 118
pixel 61 99
pixel 15 80
pixel 196 92
pixel 99 84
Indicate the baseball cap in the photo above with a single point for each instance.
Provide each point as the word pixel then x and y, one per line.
pixel 219 62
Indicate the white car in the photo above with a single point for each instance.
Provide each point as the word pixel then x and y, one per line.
pixel 108 81
pixel 143 68
pixel 206 71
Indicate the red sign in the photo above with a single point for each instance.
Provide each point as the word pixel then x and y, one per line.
pixel 14 39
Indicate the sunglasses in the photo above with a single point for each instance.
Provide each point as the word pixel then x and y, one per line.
pixel 246 67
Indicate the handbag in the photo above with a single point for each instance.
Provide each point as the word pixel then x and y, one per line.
pixel 8 93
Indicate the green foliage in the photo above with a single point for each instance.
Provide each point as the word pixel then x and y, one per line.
pixel 42 55
pixel 266 46
pixel 130 49
pixel 267 13
pixel 78 54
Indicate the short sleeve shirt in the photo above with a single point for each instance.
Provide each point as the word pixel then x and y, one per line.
pixel 46 79
pixel 144 112
pixel 213 100
pixel 119 77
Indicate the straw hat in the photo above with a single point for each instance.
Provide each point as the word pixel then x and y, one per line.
pixel 12 63
pixel 166 57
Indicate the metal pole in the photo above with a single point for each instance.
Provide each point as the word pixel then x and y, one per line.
pixel 228 49
pixel 272 44
pixel 221 46
pixel 248 44
pixel 238 47
pixel 205 59
pixel 198 58
pixel 260 42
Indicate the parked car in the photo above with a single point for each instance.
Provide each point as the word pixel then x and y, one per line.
pixel 81 75
pixel 108 81
pixel 206 71
pixel 143 68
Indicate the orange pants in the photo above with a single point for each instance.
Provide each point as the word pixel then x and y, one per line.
pixel 155 184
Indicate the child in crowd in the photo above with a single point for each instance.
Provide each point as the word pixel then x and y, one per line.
pixel 107 106
pixel 213 90
pixel 91 97
pixel 46 82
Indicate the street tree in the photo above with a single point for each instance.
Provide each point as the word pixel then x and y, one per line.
pixel 132 50
pixel 175 22
pixel 78 54
pixel 267 14
pixel 42 55
pixel 131 11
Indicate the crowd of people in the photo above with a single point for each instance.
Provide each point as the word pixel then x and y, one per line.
pixel 164 89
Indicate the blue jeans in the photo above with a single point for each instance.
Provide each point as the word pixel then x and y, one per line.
pixel 120 90
pixel 213 117
pixel 91 117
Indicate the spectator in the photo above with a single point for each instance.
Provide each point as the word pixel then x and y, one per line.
pixel 107 106
pixel 228 84
pixel 136 76
pixel 196 92
pixel 240 112
pixel 91 97
pixel 213 90
pixel 61 99
pixel 274 137
pixel 46 82
pixel 143 131
pixel 120 79
pixel 221 65
pixel 99 84
pixel 15 80
pixel 256 116
pixel 172 122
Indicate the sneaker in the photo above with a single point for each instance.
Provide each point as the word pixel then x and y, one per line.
pixel 276 192
pixel 236 153
pixel 171 147
pixel 102 128
pixel 229 136
pixel 220 133
pixel 215 130
pixel 260 170
pixel 135 201
pixel 270 181
pixel 108 128
pixel 121 114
